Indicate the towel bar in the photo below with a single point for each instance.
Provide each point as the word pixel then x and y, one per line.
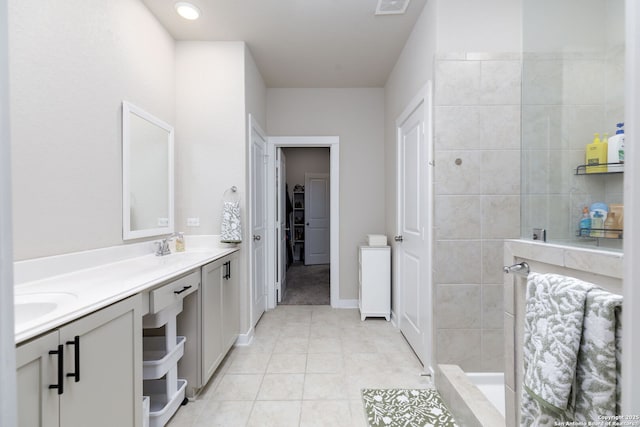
pixel 519 268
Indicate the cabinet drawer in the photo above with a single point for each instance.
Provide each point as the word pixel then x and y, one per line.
pixel 174 291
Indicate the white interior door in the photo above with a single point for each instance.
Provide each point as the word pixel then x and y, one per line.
pixel 316 212
pixel 281 179
pixel 258 222
pixel 413 262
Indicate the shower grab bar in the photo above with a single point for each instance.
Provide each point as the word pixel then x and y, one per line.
pixel 519 268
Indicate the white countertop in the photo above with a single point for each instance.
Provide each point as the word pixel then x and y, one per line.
pixel 84 291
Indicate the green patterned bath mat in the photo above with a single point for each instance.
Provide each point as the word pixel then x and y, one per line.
pixel 406 408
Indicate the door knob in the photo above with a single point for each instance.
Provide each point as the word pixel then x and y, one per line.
pixel 398 238
pixel 256 237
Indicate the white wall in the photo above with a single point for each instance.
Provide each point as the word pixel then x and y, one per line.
pixel 210 135
pixel 7 336
pixel 72 64
pixel 546 29
pixel 213 99
pixel 412 71
pixel 357 117
pixel 479 26
pixel 305 160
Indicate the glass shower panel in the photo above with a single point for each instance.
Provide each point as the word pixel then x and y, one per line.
pixel 572 87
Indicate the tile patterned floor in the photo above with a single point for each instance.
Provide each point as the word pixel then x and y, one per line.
pixel 305 367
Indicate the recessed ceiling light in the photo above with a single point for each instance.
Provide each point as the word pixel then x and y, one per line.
pixel 187 10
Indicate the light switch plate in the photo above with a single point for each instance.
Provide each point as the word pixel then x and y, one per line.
pixel 193 222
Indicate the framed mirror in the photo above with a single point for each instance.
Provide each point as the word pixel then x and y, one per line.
pixel 147 174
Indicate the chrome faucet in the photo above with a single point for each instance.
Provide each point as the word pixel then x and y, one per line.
pixel 162 247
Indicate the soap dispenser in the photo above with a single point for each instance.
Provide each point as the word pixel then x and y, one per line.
pixel 180 242
pixel 596 155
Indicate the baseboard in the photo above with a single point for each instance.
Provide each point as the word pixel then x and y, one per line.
pixel 245 339
pixel 346 303
pixel 394 319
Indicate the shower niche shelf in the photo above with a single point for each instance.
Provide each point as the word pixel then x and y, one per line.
pixel 606 234
pixel 582 169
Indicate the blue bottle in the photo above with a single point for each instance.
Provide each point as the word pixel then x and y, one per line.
pixel 585 223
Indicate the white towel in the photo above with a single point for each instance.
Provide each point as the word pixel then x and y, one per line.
pixel 230 230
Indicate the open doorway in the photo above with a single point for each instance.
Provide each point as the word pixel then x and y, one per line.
pixel 279 269
pixel 305 277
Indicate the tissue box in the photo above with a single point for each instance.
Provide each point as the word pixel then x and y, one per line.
pixel 376 240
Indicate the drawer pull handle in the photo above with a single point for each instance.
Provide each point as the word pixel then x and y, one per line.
pixel 76 362
pixel 60 385
pixel 182 290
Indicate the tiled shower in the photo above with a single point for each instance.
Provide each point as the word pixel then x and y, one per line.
pixel 477 202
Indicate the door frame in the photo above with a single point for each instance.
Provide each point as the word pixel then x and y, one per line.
pixel 631 318
pixel 333 143
pixel 424 96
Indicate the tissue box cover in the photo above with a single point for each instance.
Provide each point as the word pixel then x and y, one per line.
pixel 376 240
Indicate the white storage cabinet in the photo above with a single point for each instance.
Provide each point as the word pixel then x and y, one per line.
pixel 87 372
pixel 161 353
pixel 374 281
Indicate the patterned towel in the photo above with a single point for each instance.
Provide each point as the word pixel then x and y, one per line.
pixel 230 231
pixel 596 373
pixel 553 393
pixel 553 327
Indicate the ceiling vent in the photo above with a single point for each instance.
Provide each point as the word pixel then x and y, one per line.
pixel 391 7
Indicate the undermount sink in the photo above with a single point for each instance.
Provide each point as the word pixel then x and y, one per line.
pixel 29 307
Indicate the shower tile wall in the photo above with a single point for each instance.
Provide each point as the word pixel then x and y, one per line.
pixel 566 98
pixel 477 202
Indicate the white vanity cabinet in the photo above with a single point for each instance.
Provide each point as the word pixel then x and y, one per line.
pixel 88 372
pixel 213 316
pixel 220 312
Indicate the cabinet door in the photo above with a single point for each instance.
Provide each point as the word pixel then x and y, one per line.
pixel 211 294
pixel 230 302
pixel 36 370
pixel 103 368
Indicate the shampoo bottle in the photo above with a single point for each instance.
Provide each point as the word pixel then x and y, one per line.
pixel 615 151
pixel 596 155
pixel 597 225
pixel 610 227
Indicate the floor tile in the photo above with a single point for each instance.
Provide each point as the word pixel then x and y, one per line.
pixel 306 366
pixel 249 363
pixel 275 414
pixel 287 363
pixel 238 387
pixel 323 413
pixel 324 386
pixel 291 345
pixel 281 387
pixel 325 363
pixel 225 414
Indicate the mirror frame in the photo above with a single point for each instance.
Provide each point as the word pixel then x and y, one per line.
pixel 127 232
